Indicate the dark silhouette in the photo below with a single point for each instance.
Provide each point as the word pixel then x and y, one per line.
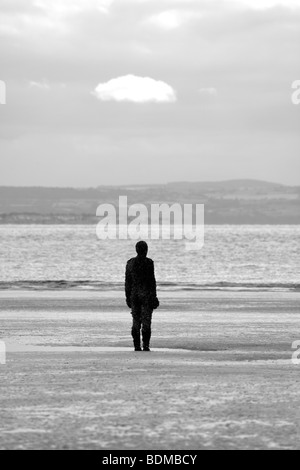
pixel 140 288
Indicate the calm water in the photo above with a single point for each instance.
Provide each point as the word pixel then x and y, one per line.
pixel 245 256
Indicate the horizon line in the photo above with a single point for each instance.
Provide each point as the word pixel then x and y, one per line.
pixel 141 185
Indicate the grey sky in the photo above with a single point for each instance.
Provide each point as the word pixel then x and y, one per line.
pixel 146 91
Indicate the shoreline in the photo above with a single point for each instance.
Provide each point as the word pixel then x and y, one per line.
pixel 220 374
pixel 101 287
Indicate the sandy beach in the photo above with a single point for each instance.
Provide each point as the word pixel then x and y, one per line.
pixel 219 376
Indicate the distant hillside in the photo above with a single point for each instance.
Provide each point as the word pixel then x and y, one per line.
pixel 226 202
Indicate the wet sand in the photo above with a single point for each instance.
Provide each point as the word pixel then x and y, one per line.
pixel 219 376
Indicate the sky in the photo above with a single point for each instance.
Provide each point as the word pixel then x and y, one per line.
pixel 110 92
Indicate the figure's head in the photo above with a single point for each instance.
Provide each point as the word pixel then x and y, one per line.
pixel 141 248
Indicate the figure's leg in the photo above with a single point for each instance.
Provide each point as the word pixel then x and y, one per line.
pixel 146 316
pixel 136 326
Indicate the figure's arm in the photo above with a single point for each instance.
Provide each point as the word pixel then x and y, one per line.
pixel 155 304
pixel 128 285
pixel 153 280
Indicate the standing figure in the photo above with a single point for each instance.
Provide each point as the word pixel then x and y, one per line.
pixel 140 289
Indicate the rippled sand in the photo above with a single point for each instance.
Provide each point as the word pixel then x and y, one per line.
pixel 219 375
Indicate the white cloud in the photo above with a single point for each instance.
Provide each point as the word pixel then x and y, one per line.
pixel 166 20
pixel 135 89
pixel 172 19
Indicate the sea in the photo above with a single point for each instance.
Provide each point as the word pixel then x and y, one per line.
pixel 71 257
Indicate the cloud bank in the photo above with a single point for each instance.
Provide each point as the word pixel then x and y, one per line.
pixel 246 50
